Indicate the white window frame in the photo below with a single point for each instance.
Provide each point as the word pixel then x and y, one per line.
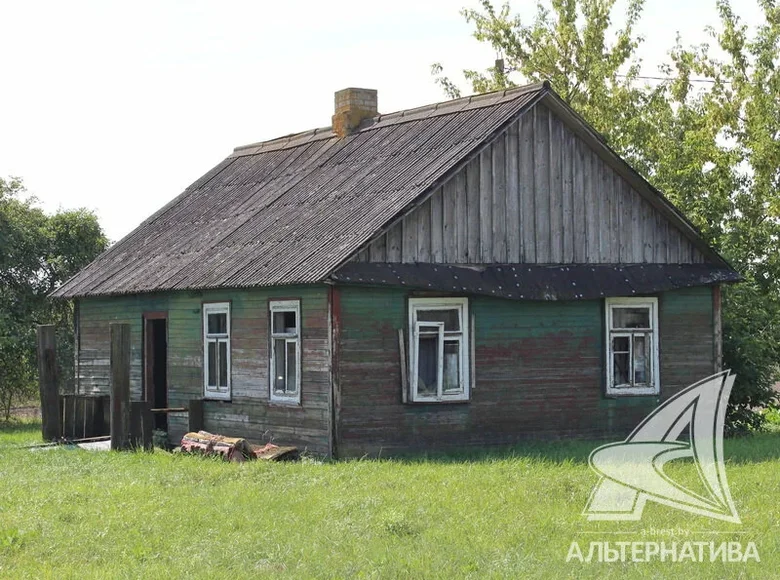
pixel 462 305
pixel 215 391
pixel 646 302
pixel 284 306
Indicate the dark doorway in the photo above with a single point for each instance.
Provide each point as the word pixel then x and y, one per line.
pixel 156 365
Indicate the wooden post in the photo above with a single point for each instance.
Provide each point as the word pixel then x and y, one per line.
pixel 120 386
pixel 135 423
pixel 195 415
pixel 47 381
pixel 147 426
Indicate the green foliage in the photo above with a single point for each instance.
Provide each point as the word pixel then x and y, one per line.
pixel 502 514
pixel 712 147
pixel 37 253
pixel 772 417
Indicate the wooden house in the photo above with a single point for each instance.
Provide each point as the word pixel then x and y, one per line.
pixel 469 273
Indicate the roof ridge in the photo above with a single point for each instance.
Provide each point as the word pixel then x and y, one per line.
pixel 438 108
pixel 453 103
pixel 287 141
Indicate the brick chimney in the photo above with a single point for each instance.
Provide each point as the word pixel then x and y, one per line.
pixel 352 107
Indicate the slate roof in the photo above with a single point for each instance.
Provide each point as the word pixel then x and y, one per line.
pixel 293 209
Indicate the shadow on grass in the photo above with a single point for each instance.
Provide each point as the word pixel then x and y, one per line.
pixel 756 448
pixel 19 426
pixel 570 451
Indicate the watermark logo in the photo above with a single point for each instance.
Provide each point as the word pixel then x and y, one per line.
pixel 688 425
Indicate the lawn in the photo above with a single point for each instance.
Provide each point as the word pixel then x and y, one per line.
pixel 510 514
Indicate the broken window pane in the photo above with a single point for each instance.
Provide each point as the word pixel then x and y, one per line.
pixel 223 370
pixel 280 364
pixel 212 363
pixel 630 317
pixel 621 371
pixel 217 323
pixel 450 318
pixel 292 369
pixel 428 364
pixel 642 358
pixel 621 344
pixel 451 366
pixel 284 322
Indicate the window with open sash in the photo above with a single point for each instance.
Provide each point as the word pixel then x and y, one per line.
pixel 216 350
pixel 438 333
pixel 632 346
pixel 285 356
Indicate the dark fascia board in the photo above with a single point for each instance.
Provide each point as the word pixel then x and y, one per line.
pixel 535 281
pixel 658 200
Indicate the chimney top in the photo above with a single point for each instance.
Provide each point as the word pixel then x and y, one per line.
pixel 352 106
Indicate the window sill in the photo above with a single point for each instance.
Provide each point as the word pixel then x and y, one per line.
pixel 631 395
pixel 444 402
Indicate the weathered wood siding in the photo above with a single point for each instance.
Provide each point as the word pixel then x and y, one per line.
pixel 249 413
pixel 538 194
pixel 539 372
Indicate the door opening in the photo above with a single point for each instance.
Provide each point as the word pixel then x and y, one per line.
pixel 156 365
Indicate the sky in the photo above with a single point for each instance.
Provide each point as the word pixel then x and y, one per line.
pixel 118 106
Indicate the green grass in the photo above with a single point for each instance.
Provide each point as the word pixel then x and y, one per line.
pixel 508 514
pixel 18 432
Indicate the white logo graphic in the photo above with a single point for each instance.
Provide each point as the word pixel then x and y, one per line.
pixel 633 471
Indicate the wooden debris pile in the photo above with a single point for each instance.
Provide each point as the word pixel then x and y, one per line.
pixel 234 448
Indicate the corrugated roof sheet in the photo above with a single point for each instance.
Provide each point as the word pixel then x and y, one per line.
pixel 537 282
pixel 293 209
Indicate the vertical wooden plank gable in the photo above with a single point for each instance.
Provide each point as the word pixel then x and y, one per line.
pixel 536 194
pixel 556 189
pixel 499 200
pixel 449 229
pixel 527 190
pixel 486 206
pixel 568 228
pixel 512 195
pixel 438 202
pixel 579 197
pixel 409 247
pixel 473 218
pixel 461 218
pixel 394 243
pixel 542 184
pixel 424 228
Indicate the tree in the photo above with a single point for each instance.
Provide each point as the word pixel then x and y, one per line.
pixel 37 253
pixel 723 171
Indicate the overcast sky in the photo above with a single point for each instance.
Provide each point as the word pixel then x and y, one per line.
pixel 118 106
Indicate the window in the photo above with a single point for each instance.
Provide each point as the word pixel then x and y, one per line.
pixel 285 356
pixel 632 346
pixel 438 333
pixel 216 350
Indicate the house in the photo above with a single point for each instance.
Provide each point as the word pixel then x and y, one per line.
pixel 469 273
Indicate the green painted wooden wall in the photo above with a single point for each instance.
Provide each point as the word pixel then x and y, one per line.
pixel 539 372
pixel 539 368
pixel 249 413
